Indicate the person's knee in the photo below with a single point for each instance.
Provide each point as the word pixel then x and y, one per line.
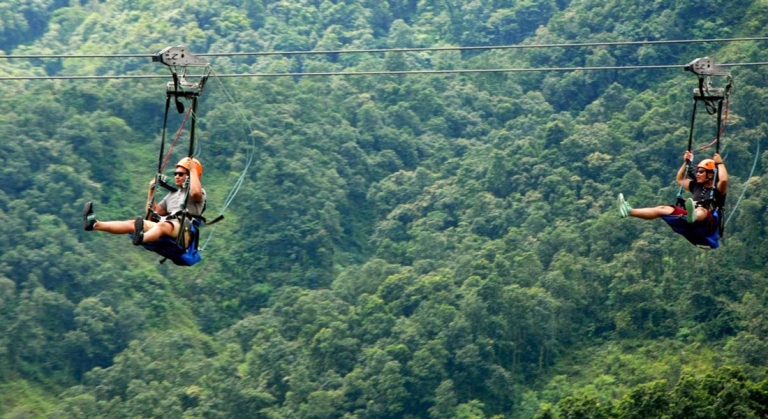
pixel 165 228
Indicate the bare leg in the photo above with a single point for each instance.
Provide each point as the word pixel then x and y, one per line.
pixel 701 214
pixel 153 231
pixel 651 213
pixel 114 227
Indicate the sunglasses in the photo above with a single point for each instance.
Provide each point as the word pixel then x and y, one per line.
pixel 179 174
pixel 701 171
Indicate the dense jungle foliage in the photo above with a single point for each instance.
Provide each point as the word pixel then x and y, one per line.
pixel 403 246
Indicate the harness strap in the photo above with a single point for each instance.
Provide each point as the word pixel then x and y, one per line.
pixel 159 175
pixel 162 138
pixel 688 162
pixel 193 109
pixel 185 214
pixel 717 146
pixel 216 220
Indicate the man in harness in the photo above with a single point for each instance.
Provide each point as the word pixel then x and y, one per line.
pixel 168 210
pixel 705 196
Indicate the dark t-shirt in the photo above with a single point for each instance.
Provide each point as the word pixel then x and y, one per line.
pixel 704 196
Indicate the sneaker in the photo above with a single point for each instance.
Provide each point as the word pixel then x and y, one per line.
pixel 690 210
pixel 89 218
pixel 623 206
pixel 138 235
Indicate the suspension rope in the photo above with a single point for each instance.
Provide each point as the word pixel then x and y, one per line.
pixel 387 50
pixel 175 140
pixel 250 152
pixel 744 189
pixel 722 129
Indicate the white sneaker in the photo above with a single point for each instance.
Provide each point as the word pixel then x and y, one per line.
pixel 690 210
pixel 623 206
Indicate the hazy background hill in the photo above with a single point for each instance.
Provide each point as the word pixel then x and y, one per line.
pixel 404 246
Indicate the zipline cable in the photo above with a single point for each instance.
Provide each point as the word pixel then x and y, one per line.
pixel 490 47
pixel 386 50
pixel 390 73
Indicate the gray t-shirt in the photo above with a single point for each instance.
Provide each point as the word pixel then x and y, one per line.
pixel 172 203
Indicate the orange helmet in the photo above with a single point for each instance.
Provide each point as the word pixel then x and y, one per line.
pixel 707 164
pixel 188 162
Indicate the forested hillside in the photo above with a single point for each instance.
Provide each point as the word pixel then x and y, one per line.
pixel 420 246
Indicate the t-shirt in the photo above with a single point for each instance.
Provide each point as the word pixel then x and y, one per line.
pixel 703 196
pixel 172 203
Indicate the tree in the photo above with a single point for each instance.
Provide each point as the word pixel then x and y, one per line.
pixel 582 407
pixel 645 401
pixel 42 319
pixel 445 402
pixel 95 340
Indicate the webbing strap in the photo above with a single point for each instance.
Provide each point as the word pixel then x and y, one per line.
pixel 158 176
pixel 193 109
pixel 693 120
pixel 688 162
pixel 183 218
pixel 162 137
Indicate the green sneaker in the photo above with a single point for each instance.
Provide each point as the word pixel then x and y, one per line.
pixel 89 218
pixel 690 210
pixel 623 206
